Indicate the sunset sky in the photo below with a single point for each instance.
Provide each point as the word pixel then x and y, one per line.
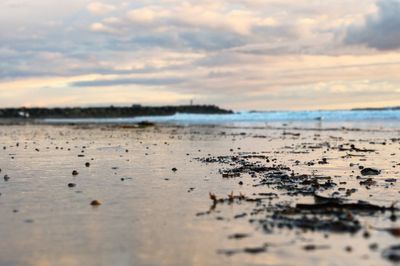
pixel 239 54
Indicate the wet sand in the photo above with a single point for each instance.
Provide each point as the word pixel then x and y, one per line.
pixel 198 195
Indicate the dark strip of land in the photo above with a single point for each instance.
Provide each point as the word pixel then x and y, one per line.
pixel 377 108
pixel 109 112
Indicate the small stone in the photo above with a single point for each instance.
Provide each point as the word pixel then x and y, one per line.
pixel 174 169
pixel 392 253
pixel 95 203
pixel 368 182
pixel 75 172
pixel 71 185
pixel 373 246
pixel 238 236
pixel 370 171
pixel 87 164
pixel 6 178
pixel 310 247
pixel 366 234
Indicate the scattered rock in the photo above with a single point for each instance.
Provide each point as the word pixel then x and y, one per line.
pixel 95 203
pixel 255 250
pixel 368 182
pixel 392 253
pixel 312 247
pixel 370 171
pixel 238 236
pixel 237 216
pixel 144 124
pixel 390 180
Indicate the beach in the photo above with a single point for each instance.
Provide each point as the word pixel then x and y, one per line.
pixel 173 194
pixel 199 132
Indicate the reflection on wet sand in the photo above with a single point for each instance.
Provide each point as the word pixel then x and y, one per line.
pixel 237 196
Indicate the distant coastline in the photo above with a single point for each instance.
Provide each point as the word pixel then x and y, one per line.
pixel 377 108
pixel 393 108
pixel 108 112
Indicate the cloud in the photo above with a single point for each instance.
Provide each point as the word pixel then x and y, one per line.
pixel 100 27
pixel 144 15
pixel 99 9
pixel 380 30
pixel 127 81
pixel 235 52
pixel 200 16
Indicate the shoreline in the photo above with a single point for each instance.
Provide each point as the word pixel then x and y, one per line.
pixel 353 126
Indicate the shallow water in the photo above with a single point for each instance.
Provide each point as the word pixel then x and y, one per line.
pixel 387 118
pixel 151 217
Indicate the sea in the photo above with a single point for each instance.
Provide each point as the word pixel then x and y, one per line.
pixel 361 118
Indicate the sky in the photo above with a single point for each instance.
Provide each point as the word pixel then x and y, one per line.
pixel 238 54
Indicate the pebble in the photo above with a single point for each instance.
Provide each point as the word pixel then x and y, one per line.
pixel 373 246
pixel 370 171
pixel 95 203
pixel 392 253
